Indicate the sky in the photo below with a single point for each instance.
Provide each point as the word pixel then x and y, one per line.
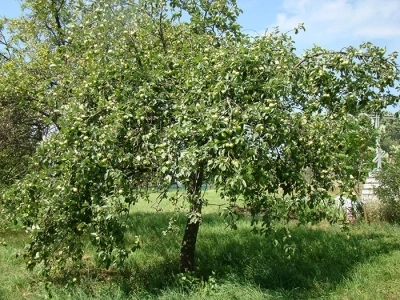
pixel 332 24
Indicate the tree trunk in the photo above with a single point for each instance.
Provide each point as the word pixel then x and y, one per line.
pixel 188 246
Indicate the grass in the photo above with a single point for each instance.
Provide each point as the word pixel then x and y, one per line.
pixel 327 263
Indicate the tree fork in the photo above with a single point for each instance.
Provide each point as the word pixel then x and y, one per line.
pixel 188 246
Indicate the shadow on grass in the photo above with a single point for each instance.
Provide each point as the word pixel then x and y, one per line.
pixel 14 236
pixel 321 260
pixel 323 256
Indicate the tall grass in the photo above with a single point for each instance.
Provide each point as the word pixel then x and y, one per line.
pixel 231 264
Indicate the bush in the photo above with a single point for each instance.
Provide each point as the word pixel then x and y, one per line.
pixel 389 190
pixel 373 211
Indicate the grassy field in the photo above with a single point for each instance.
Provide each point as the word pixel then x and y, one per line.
pixel 326 264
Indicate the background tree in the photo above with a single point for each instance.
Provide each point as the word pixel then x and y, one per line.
pixel 19 135
pixel 28 111
pixel 19 129
pixel 143 97
pixel 389 191
pixel 391 134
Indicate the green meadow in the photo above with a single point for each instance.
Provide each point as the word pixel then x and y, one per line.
pixel 322 262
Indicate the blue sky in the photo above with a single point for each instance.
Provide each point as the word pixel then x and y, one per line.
pixel 332 24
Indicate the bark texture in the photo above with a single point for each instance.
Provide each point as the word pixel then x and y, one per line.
pixel 188 246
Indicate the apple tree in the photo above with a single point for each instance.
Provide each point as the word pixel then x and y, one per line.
pixel 147 93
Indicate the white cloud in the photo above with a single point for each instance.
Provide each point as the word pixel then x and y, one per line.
pixel 338 22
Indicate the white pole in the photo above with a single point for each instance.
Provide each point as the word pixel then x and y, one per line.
pixel 378 145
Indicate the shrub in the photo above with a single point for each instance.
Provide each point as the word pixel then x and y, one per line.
pixel 389 190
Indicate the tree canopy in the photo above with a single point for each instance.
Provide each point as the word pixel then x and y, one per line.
pixel 140 94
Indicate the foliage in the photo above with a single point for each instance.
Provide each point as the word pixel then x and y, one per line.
pixel 391 134
pixel 147 93
pixel 28 45
pixel 389 190
pixel 18 139
pixel 20 130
